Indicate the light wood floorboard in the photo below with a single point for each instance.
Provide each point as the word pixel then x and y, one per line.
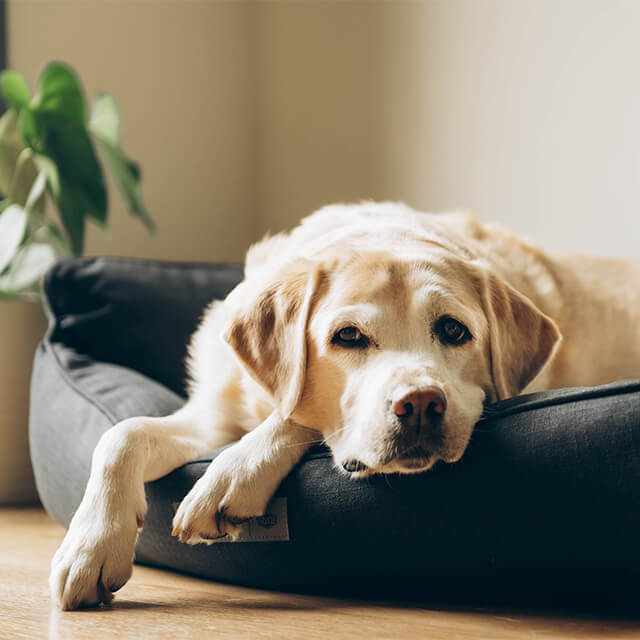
pixel 160 604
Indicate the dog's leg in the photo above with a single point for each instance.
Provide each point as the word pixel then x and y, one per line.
pixel 96 555
pixel 240 481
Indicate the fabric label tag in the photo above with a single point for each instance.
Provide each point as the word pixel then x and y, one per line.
pixel 272 526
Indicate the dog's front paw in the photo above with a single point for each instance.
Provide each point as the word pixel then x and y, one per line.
pixel 94 560
pixel 227 495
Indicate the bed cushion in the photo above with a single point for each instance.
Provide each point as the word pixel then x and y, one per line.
pixel 543 506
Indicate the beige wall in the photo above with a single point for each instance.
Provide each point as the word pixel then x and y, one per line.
pixel 526 111
pixel 247 115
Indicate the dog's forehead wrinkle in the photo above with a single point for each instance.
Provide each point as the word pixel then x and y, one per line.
pixel 370 271
pixel 365 316
pixel 380 278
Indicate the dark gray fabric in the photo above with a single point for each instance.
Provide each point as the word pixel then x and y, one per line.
pixel 544 505
pixel 135 313
pixel 73 402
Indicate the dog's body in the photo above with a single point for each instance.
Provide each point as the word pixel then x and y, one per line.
pixel 373 328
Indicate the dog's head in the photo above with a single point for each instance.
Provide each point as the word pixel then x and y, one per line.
pixel 390 358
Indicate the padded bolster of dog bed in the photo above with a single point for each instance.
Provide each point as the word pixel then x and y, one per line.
pixel 544 505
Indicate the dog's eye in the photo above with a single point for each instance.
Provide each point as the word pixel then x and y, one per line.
pixel 450 331
pixel 350 337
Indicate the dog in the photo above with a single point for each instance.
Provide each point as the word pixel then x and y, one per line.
pixel 373 328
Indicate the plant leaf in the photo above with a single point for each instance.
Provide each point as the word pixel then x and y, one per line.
pixel 81 180
pixel 71 214
pixel 8 123
pixel 13 223
pixel 126 176
pixel 49 167
pixel 51 232
pixel 24 176
pixel 29 131
pixel 14 89
pixel 105 125
pixel 60 93
pixel 10 148
pixel 30 265
pixel 56 128
pixel 105 119
pixel 35 198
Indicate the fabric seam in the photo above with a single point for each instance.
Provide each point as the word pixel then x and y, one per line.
pixel 48 347
pixel 582 396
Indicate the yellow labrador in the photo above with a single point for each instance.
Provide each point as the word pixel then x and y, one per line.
pixel 376 329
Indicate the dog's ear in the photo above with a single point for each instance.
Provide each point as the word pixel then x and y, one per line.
pixel 268 333
pixel 522 338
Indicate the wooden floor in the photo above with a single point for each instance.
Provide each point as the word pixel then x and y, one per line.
pixel 159 604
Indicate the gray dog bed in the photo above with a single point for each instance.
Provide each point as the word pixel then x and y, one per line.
pixel 544 505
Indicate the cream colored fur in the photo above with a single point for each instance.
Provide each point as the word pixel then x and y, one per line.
pixel 266 368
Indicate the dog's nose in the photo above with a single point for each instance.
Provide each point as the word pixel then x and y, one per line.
pixel 420 407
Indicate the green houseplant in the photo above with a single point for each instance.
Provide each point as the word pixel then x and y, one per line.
pixel 52 182
pixel 47 153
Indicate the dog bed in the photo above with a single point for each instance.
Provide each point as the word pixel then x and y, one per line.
pixel 545 504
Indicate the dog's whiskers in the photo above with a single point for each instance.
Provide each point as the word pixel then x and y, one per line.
pixel 301 444
pixel 334 434
pixel 315 440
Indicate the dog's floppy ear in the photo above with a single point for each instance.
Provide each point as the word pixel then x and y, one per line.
pixel 522 338
pixel 268 333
